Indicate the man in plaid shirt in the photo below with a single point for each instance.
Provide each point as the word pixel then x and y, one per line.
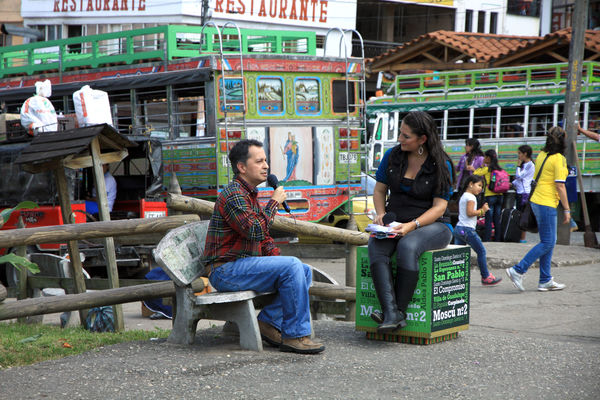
pixel 241 255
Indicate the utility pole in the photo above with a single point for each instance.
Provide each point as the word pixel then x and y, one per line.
pixel 572 98
pixel 204 17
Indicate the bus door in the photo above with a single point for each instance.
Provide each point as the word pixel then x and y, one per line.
pixel 385 135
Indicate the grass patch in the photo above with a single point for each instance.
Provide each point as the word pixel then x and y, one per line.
pixel 25 344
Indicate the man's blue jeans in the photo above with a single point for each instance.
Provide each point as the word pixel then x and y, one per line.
pixel 464 234
pixel 546 219
pixel 288 276
pixel 493 215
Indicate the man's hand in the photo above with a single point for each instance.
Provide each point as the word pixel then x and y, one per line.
pixel 279 195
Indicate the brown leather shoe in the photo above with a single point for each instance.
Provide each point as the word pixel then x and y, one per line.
pixel 269 334
pixel 301 345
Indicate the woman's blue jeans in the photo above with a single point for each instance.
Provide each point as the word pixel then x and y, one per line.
pixel 465 235
pixel 288 276
pixel 546 219
pixel 493 215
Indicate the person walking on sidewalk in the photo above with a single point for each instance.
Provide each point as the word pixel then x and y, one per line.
pixel 523 178
pixel 241 254
pixel 549 191
pixel 469 162
pixel 494 200
pixel 419 176
pixel 465 231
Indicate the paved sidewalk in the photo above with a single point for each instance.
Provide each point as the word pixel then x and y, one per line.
pixel 520 345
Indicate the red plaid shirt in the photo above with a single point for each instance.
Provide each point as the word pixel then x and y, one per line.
pixel 239 227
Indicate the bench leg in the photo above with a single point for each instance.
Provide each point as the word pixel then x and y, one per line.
pixel 244 315
pixel 186 318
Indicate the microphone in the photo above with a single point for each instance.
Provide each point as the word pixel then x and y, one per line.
pixel 274 183
pixel 388 218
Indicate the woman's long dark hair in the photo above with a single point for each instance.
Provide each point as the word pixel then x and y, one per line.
pixel 555 141
pixel 475 149
pixel 421 123
pixel 493 165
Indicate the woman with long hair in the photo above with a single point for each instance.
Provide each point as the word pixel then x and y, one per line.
pixel 469 162
pixel 494 200
pixel 419 176
pixel 549 191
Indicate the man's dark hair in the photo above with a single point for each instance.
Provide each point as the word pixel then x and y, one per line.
pixel 239 152
pixel 526 149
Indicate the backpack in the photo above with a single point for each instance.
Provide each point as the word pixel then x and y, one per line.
pixel 100 319
pixel 499 181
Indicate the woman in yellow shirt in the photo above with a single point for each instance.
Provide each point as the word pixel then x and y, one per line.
pixel 544 201
pixel 493 199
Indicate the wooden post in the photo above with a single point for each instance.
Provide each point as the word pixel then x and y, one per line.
pixel 589 236
pixel 3 293
pixel 175 189
pixel 109 244
pixel 23 285
pixel 21 251
pixel 351 270
pixel 73 247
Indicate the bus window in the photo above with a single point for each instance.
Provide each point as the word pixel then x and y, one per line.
pixel 188 111
pixel 338 96
pixel 270 96
pixel 392 122
pixel 308 96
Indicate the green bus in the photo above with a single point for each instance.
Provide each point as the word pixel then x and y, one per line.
pixel 502 107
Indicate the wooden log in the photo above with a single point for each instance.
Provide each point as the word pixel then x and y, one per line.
pixel 198 206
pixel 108 297
pixel 330 291
pixel 3 293
pixel 90 230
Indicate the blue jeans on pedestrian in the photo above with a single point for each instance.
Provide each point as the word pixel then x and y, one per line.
pixel 288 276
pixel 465 235
pixel 493 215
pixel 546 220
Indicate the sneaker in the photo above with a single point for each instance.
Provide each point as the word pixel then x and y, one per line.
pixel 491 280
pixel 301 345
pixel 269 334
pixel 551 285
pixel 516 278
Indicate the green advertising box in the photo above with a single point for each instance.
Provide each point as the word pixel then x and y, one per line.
pixel 440 305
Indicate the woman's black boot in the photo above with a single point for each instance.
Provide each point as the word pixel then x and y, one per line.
pixel 384 287
pixel 406 283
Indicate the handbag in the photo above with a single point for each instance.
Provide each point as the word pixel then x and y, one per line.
pixel 527 221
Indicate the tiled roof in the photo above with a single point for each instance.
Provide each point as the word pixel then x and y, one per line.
pixel 592 38
pixel 481 46
pixel 486 49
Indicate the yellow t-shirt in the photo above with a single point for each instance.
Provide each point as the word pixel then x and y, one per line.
pixel 485 172
pixel 555 170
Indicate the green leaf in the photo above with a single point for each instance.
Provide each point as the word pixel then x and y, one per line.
pixel 18 262
pixel 5 214
pixel 31 338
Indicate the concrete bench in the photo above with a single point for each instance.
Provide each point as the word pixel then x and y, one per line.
pixel 179 255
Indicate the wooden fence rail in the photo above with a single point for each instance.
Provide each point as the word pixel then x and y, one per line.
pixel 91 230
pixel 190 204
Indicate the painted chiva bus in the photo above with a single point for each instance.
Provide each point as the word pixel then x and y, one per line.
pixel 195 91
pixel 502 107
